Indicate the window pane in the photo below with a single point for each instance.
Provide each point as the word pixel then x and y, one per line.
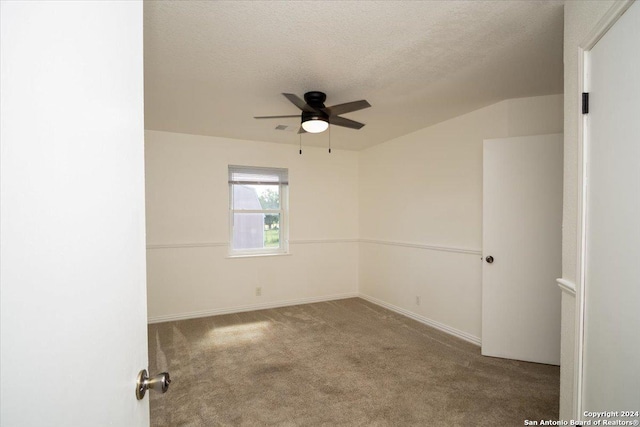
pixel 256 197
pixel 248 231
pixel 272 231
pixel 256 231
pixel 269 196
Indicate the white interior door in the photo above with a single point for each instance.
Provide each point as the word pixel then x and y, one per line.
pixel 522 229
pixel 611 368
pixel 73 301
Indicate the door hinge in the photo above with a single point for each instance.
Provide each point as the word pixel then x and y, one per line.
pixel 585 102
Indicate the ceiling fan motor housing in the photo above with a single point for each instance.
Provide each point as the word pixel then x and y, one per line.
pixel 319 115
pixel 315 99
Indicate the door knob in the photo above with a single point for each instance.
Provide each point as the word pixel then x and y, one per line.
pixel 489 259
pixel 159 383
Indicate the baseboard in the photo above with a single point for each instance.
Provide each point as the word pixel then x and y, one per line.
pixel 437 325
pixel 251 307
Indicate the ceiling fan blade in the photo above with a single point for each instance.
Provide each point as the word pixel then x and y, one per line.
pixel 341 121
pixel 276 117
pixel 301 130
pixel 348 107
pixel 295 100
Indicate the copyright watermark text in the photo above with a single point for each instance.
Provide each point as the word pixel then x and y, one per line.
pixel 602 418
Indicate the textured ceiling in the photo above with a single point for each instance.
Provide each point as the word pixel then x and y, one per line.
pixel 211 66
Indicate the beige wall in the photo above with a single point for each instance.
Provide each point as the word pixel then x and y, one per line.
pixel 425 189
pixel 580 18
pixel 187 194
pixel 399 198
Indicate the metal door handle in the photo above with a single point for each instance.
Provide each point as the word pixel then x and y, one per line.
pixel 159 383
pixel 489 259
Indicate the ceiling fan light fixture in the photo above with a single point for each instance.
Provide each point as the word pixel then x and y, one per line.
pixel 314 124
pixel 316 117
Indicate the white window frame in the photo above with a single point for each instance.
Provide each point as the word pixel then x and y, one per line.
pixel 283 189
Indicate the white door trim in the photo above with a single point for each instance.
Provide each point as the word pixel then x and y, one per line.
pixel 584 49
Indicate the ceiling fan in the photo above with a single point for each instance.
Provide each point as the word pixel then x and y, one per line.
pixel 315 117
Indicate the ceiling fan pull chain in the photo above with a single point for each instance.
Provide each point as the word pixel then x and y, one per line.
pixel 300 135
pixel 329 138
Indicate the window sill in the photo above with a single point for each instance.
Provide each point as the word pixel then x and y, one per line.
pixel 258 255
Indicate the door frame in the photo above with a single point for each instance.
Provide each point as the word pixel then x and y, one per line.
pixel 584 51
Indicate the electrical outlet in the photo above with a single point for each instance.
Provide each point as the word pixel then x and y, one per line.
pixel 259 291
pixel 417 300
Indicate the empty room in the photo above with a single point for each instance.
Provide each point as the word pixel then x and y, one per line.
pixel 301 213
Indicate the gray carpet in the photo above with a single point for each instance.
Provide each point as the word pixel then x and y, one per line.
pixel 338 363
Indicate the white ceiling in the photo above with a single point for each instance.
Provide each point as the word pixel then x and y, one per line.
pixel 210 66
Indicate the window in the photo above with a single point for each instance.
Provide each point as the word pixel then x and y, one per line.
pixel 258 210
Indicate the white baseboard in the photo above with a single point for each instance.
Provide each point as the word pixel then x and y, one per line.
pixel 440 326
pixel 251 307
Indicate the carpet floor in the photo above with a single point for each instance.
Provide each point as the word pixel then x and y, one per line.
pixel 337 363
